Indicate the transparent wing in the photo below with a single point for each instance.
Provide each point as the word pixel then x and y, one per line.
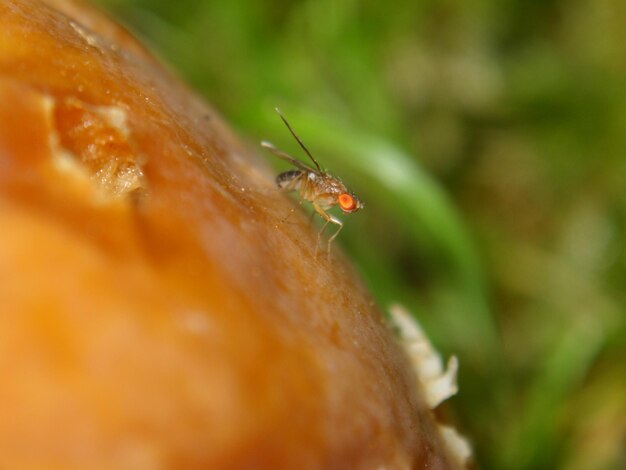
pixel 285 156
pixel 295 136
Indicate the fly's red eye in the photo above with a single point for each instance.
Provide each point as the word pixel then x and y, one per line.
pixel 347 202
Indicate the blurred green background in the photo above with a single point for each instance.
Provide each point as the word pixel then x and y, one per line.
pixel 488 141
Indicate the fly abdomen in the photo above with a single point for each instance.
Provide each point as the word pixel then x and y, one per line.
pixel 289 180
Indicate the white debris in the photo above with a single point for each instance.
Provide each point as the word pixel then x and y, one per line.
pixel 437 383
pixel 457 445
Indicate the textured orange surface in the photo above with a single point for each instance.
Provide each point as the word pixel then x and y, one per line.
pixel 155 310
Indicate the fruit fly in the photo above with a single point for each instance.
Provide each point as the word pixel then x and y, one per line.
pixel 315 185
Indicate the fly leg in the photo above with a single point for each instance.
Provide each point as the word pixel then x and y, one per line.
pixel 334 220
pixel 328 218
pixel 319 236
pixel 311 217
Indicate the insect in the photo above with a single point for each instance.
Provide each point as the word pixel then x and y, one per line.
pixel 315 185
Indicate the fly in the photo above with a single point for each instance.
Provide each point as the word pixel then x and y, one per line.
pixel 315 185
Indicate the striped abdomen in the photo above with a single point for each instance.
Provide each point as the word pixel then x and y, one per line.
pixel 289 180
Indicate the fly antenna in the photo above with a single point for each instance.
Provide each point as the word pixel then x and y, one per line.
pixel 299 140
